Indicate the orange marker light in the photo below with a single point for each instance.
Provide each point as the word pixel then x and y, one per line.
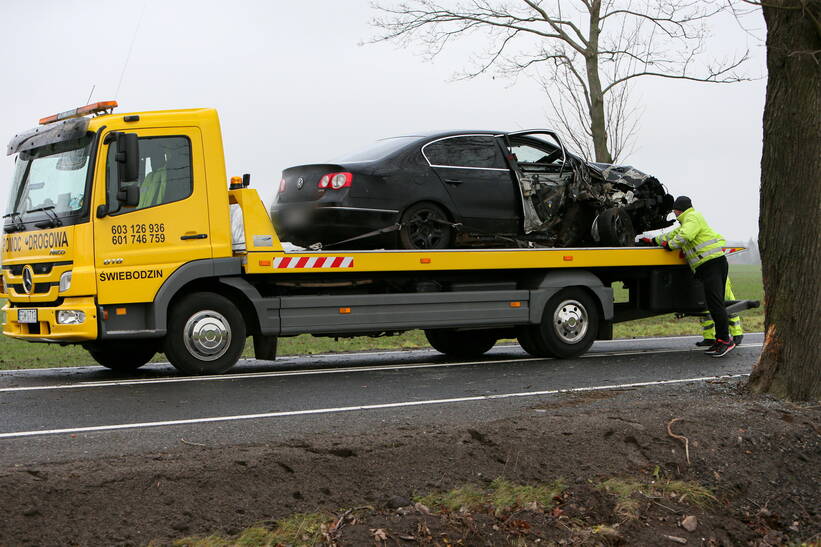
pixel 92 108
pixel 344 310
pixel 424 260
pixel 120 311
pixel 567 258
pixel 264 262
pixel 515 304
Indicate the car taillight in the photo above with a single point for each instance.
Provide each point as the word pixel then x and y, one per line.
pixel 335 181
pixel 282 185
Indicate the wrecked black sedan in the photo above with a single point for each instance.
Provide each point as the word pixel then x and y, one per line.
pixel 467 189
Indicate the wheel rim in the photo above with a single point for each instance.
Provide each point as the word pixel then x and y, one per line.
pixel 207 335
pixel 426 229
pixel 570 321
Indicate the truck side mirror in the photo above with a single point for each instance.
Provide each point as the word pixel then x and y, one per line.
pixel 129 195
pixel 128 157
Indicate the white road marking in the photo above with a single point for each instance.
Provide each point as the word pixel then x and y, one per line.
pixel 338 410
pixel 392 352
pixel 255 375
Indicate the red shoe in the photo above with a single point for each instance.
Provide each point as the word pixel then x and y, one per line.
pixel 722 348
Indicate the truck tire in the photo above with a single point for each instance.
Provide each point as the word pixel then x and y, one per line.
pixel 454 343
pixel 530 345
pixel 206 334
pixel 570 322
pixel 122 355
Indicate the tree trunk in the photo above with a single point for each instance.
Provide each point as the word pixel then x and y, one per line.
pixel 597 124
pixel 790 222
pixel 598 128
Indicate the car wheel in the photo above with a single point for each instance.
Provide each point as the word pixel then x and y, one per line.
pixel 425 226
pixel 570 322
pixel 123 355
pixel 206 334
pixel 454 343
pixel 616 228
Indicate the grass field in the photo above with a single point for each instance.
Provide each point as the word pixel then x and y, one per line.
pixel 15 354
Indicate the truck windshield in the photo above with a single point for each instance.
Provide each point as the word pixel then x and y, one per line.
pixel 51 177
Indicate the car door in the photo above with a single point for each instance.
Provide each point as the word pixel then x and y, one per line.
pixel 540 164
pixel 137 248
pixel 482 187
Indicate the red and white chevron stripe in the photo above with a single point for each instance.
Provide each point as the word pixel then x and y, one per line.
pixel 316 262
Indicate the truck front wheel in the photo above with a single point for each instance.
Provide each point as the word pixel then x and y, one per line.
pixel 456 343
pixel 206 334
pixel 123 355
pixel 569 325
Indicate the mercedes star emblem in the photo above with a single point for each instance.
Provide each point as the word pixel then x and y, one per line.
pixel 28 279
pixel 300 182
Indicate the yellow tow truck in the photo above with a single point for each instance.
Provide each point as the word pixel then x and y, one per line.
pixel 123 235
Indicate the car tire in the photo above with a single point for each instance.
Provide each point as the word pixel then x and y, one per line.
pixel 454 343
pixel 570 323
pixel 615 228
pixel 123 355
pixel 206 334
pixel 425 226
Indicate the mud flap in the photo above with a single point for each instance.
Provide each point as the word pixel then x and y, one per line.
pixel 265 347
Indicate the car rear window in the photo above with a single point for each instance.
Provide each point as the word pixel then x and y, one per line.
pixel 377 150
pixel 471 151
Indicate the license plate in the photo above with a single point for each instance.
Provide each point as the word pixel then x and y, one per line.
pixel 26 316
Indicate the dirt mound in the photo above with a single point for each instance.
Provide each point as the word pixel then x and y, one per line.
pixel 759 458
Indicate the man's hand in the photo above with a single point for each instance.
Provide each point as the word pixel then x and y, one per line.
pixel 666 246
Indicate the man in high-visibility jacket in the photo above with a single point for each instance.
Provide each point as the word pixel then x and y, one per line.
pixel 708 327
pixel 703 249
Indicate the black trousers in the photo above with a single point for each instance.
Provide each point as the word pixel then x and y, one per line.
pixel 713 275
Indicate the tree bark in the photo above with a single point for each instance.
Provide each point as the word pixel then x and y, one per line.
pixel 790 221
pixel 598 128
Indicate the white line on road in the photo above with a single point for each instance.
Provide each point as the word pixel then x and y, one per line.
pixel 257 375
pixel 356 408
pixel 400 351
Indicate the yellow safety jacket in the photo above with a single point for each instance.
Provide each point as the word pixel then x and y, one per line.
pixel 695 238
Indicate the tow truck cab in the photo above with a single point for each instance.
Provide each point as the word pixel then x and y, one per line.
pixel 118 236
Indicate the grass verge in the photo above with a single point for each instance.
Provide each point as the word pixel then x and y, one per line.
pixel 501 497
pixel 302 529
pixel 631 494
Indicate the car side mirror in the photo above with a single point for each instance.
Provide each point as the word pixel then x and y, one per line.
pixel 128 157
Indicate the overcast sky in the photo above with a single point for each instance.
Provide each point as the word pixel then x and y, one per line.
pixel 293 85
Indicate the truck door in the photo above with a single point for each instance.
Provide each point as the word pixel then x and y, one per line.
pixel 482 187
pixel 137 248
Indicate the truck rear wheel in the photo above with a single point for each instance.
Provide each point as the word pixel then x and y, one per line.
pixel 456 343
pixel 569 325
pixel 123 355
pixel 206 334
pixel 530 345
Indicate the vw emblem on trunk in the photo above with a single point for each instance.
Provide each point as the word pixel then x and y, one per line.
pixel 28 279
pixel 300 182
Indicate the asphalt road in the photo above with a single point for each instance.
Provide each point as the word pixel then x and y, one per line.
pixel 62 414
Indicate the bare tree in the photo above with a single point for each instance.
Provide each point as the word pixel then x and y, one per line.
pixel 584 52
pixel 789 228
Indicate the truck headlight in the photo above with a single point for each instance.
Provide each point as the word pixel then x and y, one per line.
pixel 65 281
pixel 70 317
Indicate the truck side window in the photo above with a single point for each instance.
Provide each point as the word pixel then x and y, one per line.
pixel 165 172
